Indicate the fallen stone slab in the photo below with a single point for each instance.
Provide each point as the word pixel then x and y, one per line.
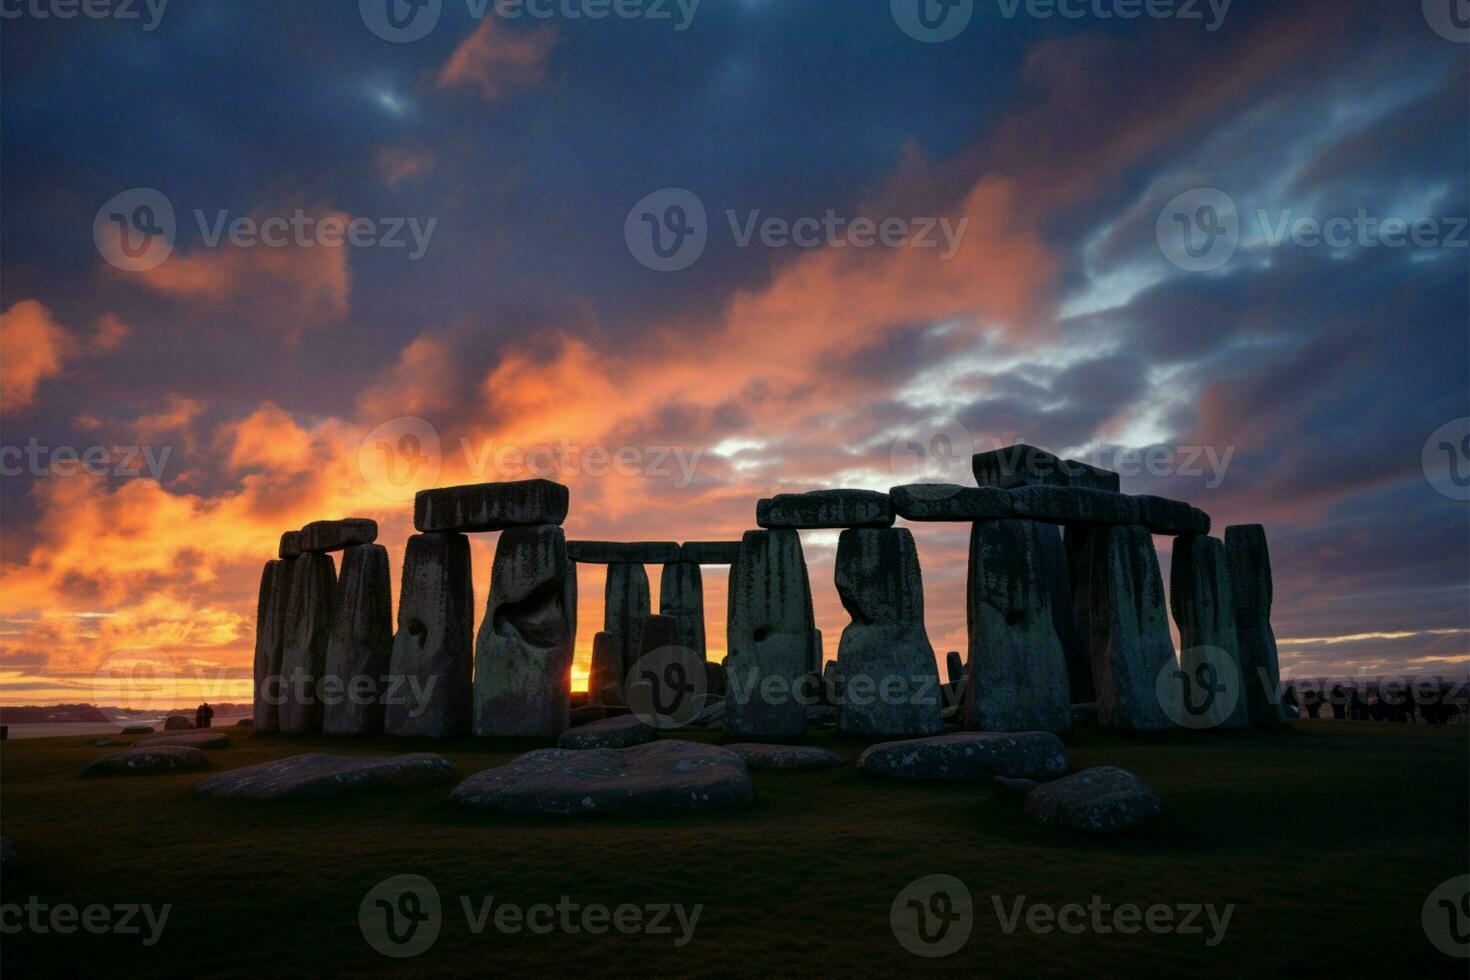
pixel 490 506
pixel 665 776
pixel 290 545
pixel 202 738
pixel 104 743
pixel 962 756
pixel 950 502
pixel 336 535
pixel 825 509
pixel 320 776
pixel 1103 799
pixel 137 730
pixel 1022 465
pixel 613 552
pixel 792 758
pixel 176 723
pixel 1073 505
pixel 154 759
pixel 710 552
pixel 1170 517
pixel 622 732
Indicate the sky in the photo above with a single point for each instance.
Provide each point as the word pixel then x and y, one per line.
pixel 1222 251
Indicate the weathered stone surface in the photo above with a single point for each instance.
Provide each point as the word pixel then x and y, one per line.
pixel 621 732
pixel 1021 465
pixel 490 506
pixel 890 681
pixel 716 681
pixel 821 716
pixel 160 758
pixel 319 776
pixel 1248 561
pixel 950 502
pixel 664 776
pixel 137 730
pixel 962 756
pixel 1103 799
pixel 788 757
pixel 430 691
pixel 954 666
pixel 310 613
pixel 626 604
pixel 825 509
pixel 1013 791
pixel 615 552
pixel 202 738
pixel 710 552
pixel 819 656
pixel 290 545
pixel 270 641
pixel 523 654
pixel 177 723
pixel 1130 640
pixel 1073 505
pixel 1209 648
pixel 1164 516
pixel 769 635
pixel 1077 542
pixel 360 648
pixel 336 535
pixel 1018 671
pixel 606 668
pixel 681 597
pixel 1084 715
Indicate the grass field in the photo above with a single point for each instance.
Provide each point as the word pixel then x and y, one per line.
pixel 1326 838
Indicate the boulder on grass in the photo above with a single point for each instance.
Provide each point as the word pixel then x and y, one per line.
pixel 205 738
pixel 659 777
pixel 319 776
pixel 621 732
pixel 788 757
pixel 174 723
pixel 963 756
pixel 161 758
pixel 1098 800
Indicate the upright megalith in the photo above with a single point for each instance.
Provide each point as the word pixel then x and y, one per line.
pixel 769 636
pixel 954 666
pixel 1129 619
pixel 429 690
pixel 270 639
pixel 606 668
pixel 309 618
pixel 681 598
pixel 1248 562
pixel 523 654
pixel 1210 679
pixel 1018 671
pixel 360 648
pixel 891 683
pixel 625 605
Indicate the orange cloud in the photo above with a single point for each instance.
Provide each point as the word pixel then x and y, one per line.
pixel 496 59
pixel 33 348
pixel 399 163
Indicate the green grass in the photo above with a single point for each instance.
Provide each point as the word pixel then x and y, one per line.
pixel 1327 838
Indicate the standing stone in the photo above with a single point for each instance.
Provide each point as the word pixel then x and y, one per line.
pixel 954 666
pixel 523 655
pixel 1249 564
pixel 816 665
pixel 884 656
pixel 681 597
pixel 309 618
pixel 1130 640
pixel 1078 541
pixel 360 649
pixel 1018 671
pixel 626 604
pixel 270 638
pixel 607 667
pixel 1209 649
pixel 430 693
pixel 769 635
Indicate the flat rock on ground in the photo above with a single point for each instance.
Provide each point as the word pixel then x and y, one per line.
pixel 659 777
pixel 621 732
pixel 319 776
pixel 203 738
pixel 162 758
pixel 967 755
pixel 789 757
pixel 1098 800
pixel 104 743
pixel 137 730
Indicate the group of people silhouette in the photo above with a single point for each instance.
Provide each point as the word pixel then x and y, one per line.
pixel 1354 704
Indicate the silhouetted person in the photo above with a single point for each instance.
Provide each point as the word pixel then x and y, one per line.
pixel 203 716
pixel 1359 706
pixel 1312 701
pixel 1291 699
pixel 1339 702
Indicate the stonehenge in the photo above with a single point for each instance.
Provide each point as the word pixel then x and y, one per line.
pixel 1065 609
